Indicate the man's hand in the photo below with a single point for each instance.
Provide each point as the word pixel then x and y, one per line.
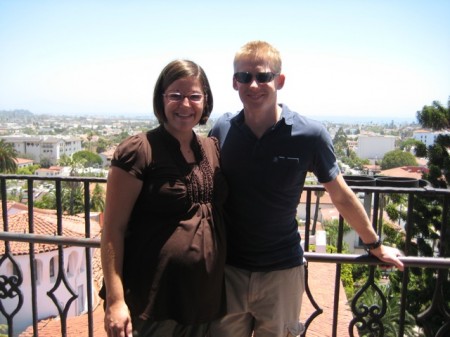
pixel 389 255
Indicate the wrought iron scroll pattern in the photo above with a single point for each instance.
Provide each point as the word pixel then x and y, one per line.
pixel 9 285
pixel 317 309
pixel 368 317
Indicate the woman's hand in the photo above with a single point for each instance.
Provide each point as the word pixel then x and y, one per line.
pixel 118 320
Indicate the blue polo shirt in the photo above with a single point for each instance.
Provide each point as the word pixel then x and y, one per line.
pixel 266 177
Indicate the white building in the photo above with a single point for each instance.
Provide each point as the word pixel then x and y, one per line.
pixel 428 137
pixel 44 147
pixel 48 277
pixel 375 147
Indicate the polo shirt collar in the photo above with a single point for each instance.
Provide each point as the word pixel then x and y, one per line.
pixel 286 114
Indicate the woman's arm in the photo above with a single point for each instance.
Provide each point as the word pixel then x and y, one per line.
pixel 122 192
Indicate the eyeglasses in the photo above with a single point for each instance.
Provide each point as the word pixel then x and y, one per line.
pixel 246 77
pixel 179 97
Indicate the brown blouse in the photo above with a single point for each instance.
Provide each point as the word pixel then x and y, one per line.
pixel 175 245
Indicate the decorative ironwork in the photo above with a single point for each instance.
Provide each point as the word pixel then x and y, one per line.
pixel 10 287
pixel 368 317
pixel 436 318
pixel 63 309
pixel 318 310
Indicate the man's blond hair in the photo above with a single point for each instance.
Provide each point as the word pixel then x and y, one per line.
pixel 259 51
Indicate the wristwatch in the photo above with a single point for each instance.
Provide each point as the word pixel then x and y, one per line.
pixel 374 245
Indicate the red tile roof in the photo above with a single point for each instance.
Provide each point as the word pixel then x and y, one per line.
pixel 44 224
pixel 405 172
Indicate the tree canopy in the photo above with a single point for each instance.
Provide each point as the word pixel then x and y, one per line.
pixel 398 158
pixel 88 158
pixel 435 116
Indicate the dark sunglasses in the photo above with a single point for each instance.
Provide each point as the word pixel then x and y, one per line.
pixel 246 77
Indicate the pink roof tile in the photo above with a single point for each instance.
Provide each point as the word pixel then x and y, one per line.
pixel 405 172
pixel 45 223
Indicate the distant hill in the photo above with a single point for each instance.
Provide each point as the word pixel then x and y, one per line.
pixel 15 113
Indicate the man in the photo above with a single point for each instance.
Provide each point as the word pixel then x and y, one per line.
pixel 266 152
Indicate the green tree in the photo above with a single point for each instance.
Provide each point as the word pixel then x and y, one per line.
pixel 408 144
pixel 47 201
pixel 332 230
pixel 435 116
pixel 354 161
pixel 28 170
pixel 88 158
pixel 73 201
pixel 98 199
pixel 102 145
pixel 8 157
pixel 340 142
pixel 420 150
pixel 427 219
pixel 45 163
pixel 76 165
pixel 397 158
pixel 72 198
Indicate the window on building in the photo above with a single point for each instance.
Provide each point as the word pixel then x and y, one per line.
pixel 38 271
pixel 53 268
pixel 72 264
pixel 81 300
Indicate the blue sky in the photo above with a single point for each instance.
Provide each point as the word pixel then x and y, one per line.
pixel 348 58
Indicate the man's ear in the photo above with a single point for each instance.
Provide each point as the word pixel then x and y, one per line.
pixel 279 81
pixel 235 85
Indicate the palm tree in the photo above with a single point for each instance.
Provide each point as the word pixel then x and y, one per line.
pixel 97 200
pixel 73 202
pixel 8 157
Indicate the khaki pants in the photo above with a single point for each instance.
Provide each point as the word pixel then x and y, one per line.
pixel 265 304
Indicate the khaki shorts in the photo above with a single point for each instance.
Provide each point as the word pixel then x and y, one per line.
pixel 266 304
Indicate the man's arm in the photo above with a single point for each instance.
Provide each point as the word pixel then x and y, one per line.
pixel 354 213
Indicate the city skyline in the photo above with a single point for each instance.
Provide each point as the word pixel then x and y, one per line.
pixel 346 60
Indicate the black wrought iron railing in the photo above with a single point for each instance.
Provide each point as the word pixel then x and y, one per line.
pixel 46 274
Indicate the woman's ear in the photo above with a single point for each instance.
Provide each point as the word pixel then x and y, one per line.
pixel 279 81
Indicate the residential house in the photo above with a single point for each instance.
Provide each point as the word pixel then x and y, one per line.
pixel 428 137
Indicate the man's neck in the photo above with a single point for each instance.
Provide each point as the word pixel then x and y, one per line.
pixel 260 121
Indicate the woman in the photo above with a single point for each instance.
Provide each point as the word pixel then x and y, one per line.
pixel 163 241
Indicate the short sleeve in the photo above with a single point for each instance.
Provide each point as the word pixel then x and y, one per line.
pixel 133 155
pixel 326 168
